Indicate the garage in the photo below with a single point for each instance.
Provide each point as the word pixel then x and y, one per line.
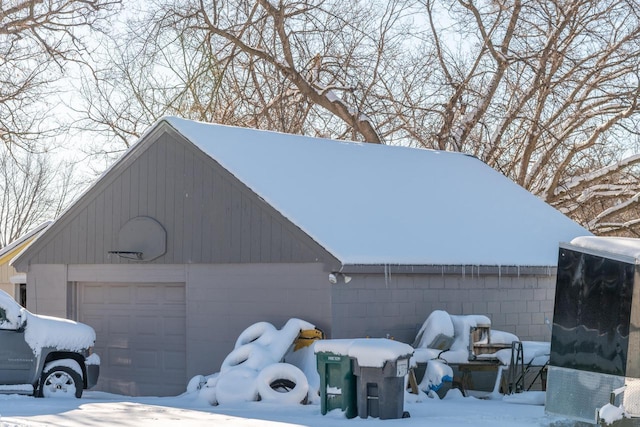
pixel 140 335
pixel 244 226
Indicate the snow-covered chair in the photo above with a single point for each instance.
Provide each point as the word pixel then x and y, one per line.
pixel 627 413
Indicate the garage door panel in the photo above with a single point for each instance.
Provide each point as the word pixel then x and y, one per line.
pixel 174 294
pixel 146 360
pixel 119 294
pixel 147 327
pixel 93 295
pixel 118 325
pixel 174 361
pixel 148 294
pixel 118 357
pixel 140 336
pixel 175 326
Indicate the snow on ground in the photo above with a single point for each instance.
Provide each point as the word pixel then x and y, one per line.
pixel 261 346
pixel 102 409
pixel 193 408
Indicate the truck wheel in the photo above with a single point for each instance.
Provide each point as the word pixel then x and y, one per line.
pixel 60 381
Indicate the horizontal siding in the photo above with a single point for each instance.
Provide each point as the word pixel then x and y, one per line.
pixel 209 216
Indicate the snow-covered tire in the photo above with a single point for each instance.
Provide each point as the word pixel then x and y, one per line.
pixel 236 385
pixel 282 383
pixel 60 381
pixel 261 331
pixel 251 356
pixel 196 383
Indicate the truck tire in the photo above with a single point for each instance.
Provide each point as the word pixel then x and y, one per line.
pixel 60 381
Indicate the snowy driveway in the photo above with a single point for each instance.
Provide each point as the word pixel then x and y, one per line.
pixel 102 409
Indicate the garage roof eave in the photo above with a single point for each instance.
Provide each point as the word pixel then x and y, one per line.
pixel 451 269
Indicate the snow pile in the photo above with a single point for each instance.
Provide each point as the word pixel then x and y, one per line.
pixel 370 352
pixel 629 407
pixel 451 335
pixel 526 398
pixel 62 334
pixel 437 373
pixel 45 331
pixel 305 360
pixel 610 413
pixel 458 328
pixel 536 352
pixel 615 245
pixel 438 324
pixel 254 369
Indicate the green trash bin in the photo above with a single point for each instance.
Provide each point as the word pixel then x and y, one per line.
pixel 337 383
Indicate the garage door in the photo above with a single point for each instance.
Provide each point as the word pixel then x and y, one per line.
pixel 140 336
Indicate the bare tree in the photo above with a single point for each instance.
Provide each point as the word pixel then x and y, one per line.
pixel 166 70
pixel 32 190
pixel 37 40
pixel 545 91
pixel 298 66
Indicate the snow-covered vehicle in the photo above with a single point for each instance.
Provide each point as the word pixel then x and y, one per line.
pixel 44 356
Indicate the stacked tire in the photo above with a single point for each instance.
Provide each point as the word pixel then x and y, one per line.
pixel 254 371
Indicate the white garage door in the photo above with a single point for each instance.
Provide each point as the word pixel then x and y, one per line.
pixel 140 335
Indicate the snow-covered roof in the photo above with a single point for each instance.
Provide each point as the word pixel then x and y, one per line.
pixel 377 204
pixel 614 245
pixel 22 240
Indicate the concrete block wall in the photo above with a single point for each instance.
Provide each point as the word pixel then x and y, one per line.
pixel 397 305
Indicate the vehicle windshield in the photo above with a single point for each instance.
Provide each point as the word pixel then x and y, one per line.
pixel 9 312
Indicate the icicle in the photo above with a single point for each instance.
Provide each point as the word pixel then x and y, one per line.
pixel 387 275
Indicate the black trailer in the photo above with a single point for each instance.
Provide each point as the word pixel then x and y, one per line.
pixel 595 343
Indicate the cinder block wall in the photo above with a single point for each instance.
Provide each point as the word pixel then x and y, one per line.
pixel 396 305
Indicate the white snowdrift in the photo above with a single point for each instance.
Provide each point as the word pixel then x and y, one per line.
pixel 237 385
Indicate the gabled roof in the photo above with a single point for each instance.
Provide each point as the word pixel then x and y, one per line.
pixel 20 243
pixel 377 204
